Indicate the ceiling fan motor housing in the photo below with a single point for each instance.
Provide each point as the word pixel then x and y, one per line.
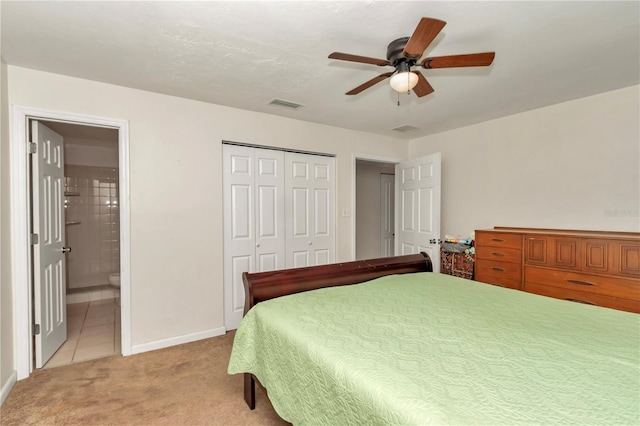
pixel 395 50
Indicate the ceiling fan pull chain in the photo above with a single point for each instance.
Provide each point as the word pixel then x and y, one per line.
pixel 408 81
pixel 398 93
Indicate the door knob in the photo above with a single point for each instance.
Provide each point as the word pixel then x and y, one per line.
pixel 66 250
pixel 310 243
pixel 258 245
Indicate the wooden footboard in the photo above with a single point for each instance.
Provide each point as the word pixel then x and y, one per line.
pixel 262 286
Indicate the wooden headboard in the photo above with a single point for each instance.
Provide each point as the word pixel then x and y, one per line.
pixel 262 286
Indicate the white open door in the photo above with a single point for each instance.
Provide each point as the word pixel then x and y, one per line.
pixel 418 207
pixel 49 275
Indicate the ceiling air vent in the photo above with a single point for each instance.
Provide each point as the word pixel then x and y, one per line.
pixel 285 104
pixel 405 128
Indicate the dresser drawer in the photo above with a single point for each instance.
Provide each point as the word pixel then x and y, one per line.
pixel 583 297
pixel 500 254
pixel 608 286
pixel 500 273
pixel 498 239
pixel 499 281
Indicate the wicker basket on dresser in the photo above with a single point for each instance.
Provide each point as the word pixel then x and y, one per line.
pixel 594 267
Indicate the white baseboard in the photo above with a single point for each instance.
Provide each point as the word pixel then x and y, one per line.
pixel 8 385
pixel 178 340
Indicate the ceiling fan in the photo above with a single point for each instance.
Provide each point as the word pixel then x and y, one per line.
pixel 405 52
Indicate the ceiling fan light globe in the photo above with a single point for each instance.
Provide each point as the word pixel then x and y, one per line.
pixel 403 81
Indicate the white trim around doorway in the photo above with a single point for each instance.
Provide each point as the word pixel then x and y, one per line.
pixel 20 219
pixel 354 159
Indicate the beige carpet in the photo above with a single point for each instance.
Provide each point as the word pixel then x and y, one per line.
pixel 181 385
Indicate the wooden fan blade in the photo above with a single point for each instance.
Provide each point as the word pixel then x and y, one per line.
pixel 454 61
pixel 369 83
pixel 425 32
pixel 423 88
pixel 356 58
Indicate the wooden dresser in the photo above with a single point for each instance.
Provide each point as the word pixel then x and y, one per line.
pixel 595 267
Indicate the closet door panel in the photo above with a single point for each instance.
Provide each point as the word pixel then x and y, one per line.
pixel 241 217
pixel 269 212
pixel 239 228
pixel 309 209
pixel 267 262
pixel 322 256
pixel 300 212
pixel 323 209
pixel 239 264
pixel 300 259
pixel 267 226
pixel 321 225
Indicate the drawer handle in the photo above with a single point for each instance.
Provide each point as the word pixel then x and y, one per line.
pixel 500 240
pixel 498 269
pixel 579 301
pixel 497 254
pixel 580 282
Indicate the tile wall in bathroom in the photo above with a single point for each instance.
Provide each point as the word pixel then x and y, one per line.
pixel 93 225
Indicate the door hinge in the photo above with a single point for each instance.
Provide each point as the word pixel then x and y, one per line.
pixel 36 329
pixel 34 239
pixel 33 147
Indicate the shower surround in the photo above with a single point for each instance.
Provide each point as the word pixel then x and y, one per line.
pixel 93 227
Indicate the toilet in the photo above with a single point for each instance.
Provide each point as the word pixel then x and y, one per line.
pixel 114 280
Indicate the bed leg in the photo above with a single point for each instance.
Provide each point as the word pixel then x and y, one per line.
pixel 250 390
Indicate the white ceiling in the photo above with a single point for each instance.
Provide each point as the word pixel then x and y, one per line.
pixel 244 54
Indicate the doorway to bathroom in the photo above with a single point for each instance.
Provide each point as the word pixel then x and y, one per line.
pixel 26 330
pixel 91 231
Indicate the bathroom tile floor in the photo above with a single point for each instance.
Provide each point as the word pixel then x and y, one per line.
pixel 93 331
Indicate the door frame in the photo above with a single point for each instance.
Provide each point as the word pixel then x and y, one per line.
pixel 21 219
pixel 354 158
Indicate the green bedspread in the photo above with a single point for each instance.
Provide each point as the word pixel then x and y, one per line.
pixel 429 348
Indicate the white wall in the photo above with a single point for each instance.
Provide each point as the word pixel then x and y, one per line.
pixel 176 188
pixel 368 207
pixel 572 165
pixel 7 364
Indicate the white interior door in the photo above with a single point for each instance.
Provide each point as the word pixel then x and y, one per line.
pixel 49 274
pixel 254 240
pixel 387 214
pixel 309 210
pixel 418 207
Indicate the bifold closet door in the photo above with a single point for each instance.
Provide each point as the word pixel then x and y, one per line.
pixel 254 232
pixel 309 210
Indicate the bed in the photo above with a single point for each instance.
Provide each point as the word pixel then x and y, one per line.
pixel 385 341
